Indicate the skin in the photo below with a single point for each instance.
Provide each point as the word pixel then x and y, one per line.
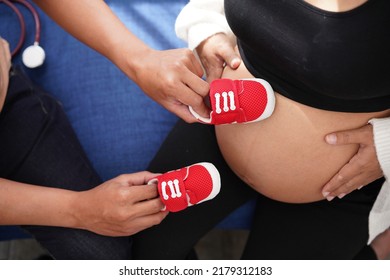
pixel 215 53
pixel 170 77
pixel 5 65
pixel 381 245
pixel 122 206
pixel 363 168
pixel 336 5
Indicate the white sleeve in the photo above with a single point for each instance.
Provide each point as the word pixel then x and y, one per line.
pixel 381 128
pixel 200 19
pixel 379 219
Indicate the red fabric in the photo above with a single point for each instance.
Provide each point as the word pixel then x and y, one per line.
pixel 168 193
pixel 195 183
pixel 250 100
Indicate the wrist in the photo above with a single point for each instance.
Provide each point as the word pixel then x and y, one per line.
pixel 75 210
pixel 381 135
pixel 128 54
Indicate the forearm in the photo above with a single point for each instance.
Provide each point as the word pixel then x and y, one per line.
pixel 93 23
pixel 23 204
pixel 5 65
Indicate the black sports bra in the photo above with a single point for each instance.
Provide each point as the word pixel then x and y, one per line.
pixel 327 60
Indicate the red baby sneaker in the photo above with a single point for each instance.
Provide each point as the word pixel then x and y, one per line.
pixel 188 186
pixel 239 101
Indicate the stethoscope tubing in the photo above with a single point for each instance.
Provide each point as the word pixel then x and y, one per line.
pixel 37 21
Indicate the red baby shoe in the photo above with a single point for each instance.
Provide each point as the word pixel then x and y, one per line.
pixel 188 186
pixel 239 101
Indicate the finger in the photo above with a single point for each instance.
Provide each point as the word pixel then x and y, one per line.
pixel 6 50
pixel 196 66
pixel 214 73
pixel 346 174
pixel 148 207
pixel 353 136
pixel 190 98
pixel 145 222
pixel 179 109
pixel 213 66
pixel 182 112
pixel 142 193
pixel 196 84
pixel 344 189
pixel 355 183
pixel 134 179
pixel 230 56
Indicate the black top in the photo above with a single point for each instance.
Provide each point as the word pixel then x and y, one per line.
pixel 338 61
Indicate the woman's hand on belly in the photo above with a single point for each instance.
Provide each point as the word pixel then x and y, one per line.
pixel 361 170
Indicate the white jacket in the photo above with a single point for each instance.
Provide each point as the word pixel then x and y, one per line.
pixel 201 19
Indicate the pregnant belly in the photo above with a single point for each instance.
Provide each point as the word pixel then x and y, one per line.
pixel 285 157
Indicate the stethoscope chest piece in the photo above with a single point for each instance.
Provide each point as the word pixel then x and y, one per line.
pixel 33 56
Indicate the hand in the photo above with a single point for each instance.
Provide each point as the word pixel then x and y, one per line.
pixel 362 169
pixel 215 52
pixel 173 79
pixel 5 65
pixel 122 206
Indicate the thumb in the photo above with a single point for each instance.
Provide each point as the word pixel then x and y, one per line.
pixel 352 136
pixel 213 73
pixel 231 57
pixel 234 61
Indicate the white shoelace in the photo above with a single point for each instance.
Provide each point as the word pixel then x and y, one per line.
pixel 173 187
pixel 228 98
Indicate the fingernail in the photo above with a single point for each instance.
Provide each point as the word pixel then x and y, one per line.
pixel 330 198
pixel 235 62
pixel 341 195
pixel 360 187
pixel 331 138
pixel 325 194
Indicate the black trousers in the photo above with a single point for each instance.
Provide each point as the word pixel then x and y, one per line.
pixel 38 146
pixel 318 230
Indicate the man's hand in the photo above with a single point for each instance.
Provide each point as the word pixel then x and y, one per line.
pixel 173 78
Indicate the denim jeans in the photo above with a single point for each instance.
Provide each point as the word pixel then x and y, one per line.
pixel 38 146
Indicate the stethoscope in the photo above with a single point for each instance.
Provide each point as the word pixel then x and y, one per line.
pixel 33 56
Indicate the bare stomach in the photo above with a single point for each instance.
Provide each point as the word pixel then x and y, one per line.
pixel 285 157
